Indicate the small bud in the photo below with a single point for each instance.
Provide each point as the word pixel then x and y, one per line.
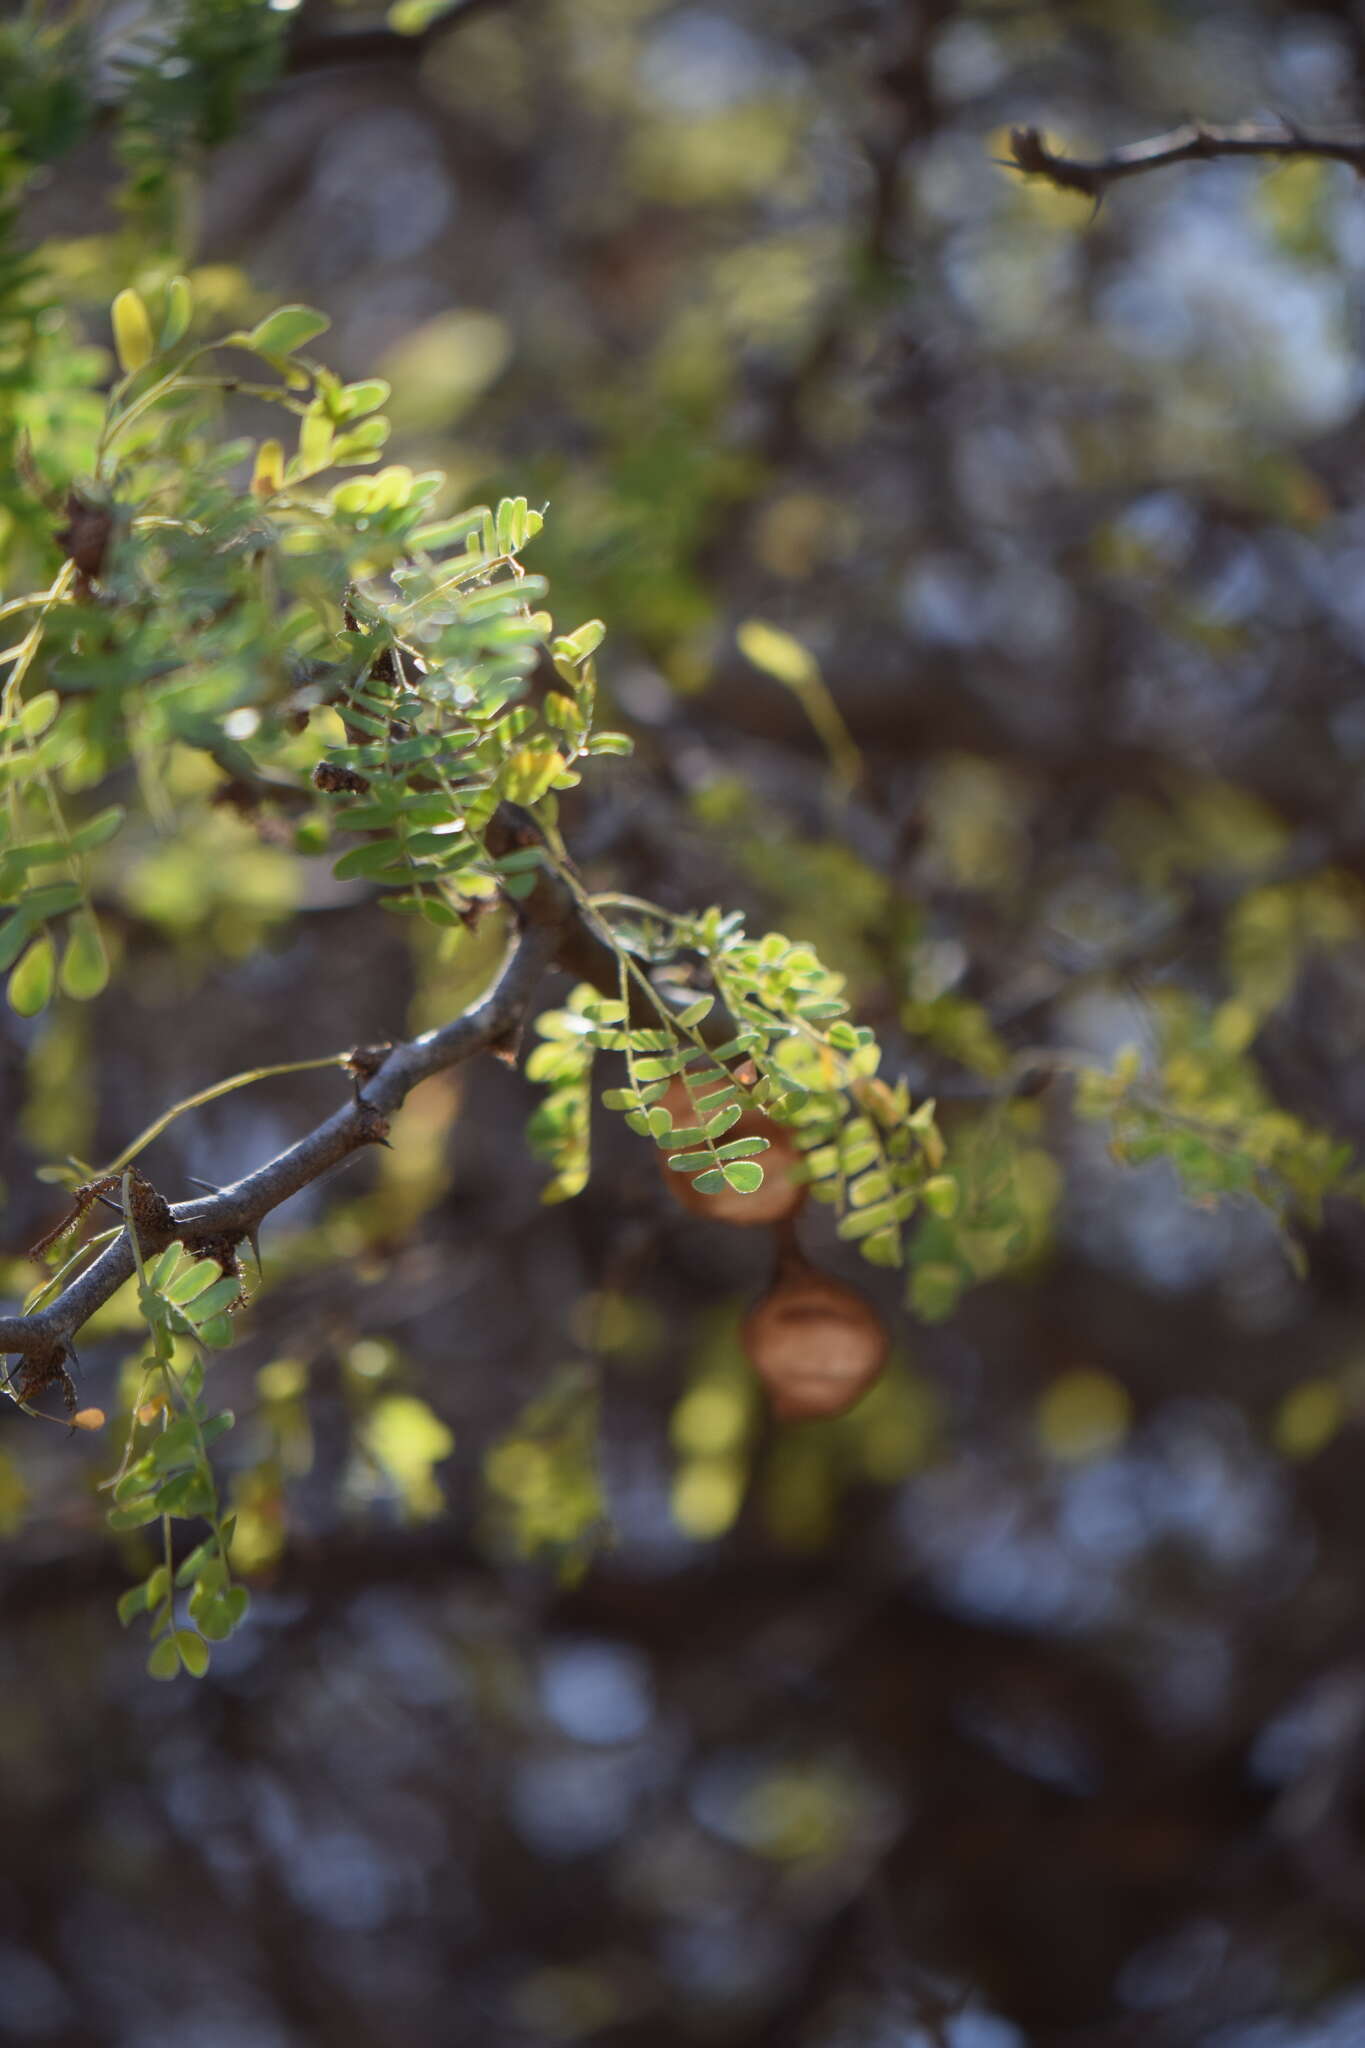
pixel 88 1418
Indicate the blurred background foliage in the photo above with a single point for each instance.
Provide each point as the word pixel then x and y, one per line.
pixel 1025 1703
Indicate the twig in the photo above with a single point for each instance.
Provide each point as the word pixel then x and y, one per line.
pixel 1194 142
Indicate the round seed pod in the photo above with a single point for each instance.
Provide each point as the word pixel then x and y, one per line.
pixel 816 1345
pixel 779 1197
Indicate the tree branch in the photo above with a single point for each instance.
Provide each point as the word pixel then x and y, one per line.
pixel 554 929
pixel 1195 142
pixel 234 1213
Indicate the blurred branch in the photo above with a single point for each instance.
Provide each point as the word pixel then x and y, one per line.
pixel 375 43
pixel 1194 142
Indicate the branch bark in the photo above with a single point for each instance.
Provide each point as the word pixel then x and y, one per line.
pixel 1194 142
pixel 235 1213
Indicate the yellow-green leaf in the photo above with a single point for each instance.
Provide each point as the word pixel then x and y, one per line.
pixel 85 964
pixel 194 1652
pixel 30 985
pixel 776 653
pixel 315 441
pixel 286 329
pixel 179 306
pixel 268 475
pixel 529 773
pixel 164 1661
pixel 132 331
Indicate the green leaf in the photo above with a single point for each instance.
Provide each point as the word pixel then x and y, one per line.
pixel 364 396
pixel 776 653
pixel 134 1514
pixel 378 857
pixel 528 773
pixel 163 1265
pixel 358 443
pixel 224 1293
pixel 13 938
pixel 883 1248
pixel 186 1494
pixel 745 1177
pixel 95 831
pixel 562 712
pixel 583 641
pixel 135 1481
pixel 315 441
pixel 444 531
pixel 194 1651
pixel 175 1445
pixel 203 1561
pixel 30 984
pixel 286 329
pixel 38 713
pixel 132 1603
pixel 51 900
pixel 621 1098
pixel 217 1611
pixel 510 525
pixel 164 1661
pixel 193 1280
pixel 85 964
pixel 862 1222
pixel 175 321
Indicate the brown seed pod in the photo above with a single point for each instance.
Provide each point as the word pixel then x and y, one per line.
pixel 816 1345
pixel 780 1196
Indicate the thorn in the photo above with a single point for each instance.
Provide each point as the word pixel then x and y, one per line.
pixel 211 1185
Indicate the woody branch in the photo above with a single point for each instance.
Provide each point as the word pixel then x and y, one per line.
pixel 234 1213
pixel 1194 142
pixel 553 929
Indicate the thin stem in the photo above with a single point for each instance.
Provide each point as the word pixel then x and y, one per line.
pixel 167 1117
